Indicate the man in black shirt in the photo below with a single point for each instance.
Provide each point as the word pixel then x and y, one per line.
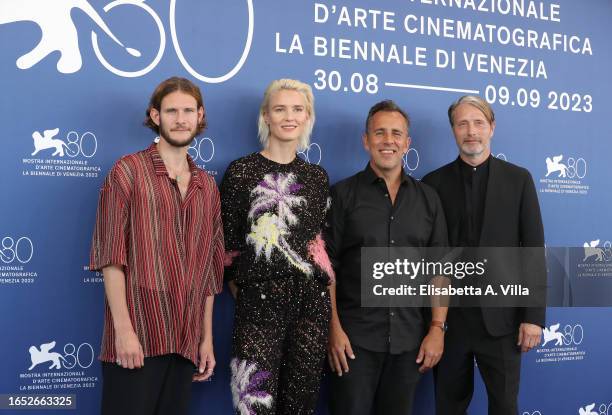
pixel 379 353
pixel 487 203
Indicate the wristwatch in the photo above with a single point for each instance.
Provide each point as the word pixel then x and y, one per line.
pixel 440 324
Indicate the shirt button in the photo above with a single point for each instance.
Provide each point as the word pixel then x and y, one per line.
pixel 386 194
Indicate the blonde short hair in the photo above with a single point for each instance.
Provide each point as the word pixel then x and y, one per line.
pixel 474 101
pixel 292 85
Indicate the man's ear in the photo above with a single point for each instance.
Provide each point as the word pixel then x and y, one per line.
pixel 154 114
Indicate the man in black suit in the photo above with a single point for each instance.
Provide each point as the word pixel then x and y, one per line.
pixel 488 203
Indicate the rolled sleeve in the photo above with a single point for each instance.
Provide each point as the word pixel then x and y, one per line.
pixel 334 227
pixel 109 242
pixel 215 280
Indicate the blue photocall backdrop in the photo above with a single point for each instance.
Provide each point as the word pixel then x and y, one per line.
pixel 76 76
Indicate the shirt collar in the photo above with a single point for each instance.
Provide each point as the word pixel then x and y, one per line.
pixel 160 167
pixel 370 175
pixel 468 167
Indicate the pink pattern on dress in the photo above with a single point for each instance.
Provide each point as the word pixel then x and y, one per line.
pixel 228 257
pixel 316 250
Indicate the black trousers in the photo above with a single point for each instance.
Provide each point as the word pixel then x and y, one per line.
pixel 161 387
pixel 377 383
pixel 279 346
pixel 498 360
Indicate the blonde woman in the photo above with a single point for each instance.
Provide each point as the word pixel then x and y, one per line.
pixel 274 206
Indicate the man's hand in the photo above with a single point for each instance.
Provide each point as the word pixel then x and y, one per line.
pixel 431 349
pixel 128 349
pixel 529 336
pixel 207 361
pixel 127 346
pixel 339 347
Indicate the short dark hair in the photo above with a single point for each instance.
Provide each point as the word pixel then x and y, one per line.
pixel 387 105
pixel 167 87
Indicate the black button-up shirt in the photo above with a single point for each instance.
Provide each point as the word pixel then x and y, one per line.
pixel 475 192
pixel 475 180
pixel 362 215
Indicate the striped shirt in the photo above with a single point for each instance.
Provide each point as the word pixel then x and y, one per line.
pixel 170 249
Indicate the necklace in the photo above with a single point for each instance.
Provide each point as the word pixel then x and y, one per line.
pixel 184 167
pixel 178 176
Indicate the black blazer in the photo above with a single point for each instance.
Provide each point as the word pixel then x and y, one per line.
pixel 511 219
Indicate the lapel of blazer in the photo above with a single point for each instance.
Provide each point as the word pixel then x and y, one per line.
pixel 492 199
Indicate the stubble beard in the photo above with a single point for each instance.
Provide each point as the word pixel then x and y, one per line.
pixel 164 134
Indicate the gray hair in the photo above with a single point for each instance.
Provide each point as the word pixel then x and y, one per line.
pixel 474 101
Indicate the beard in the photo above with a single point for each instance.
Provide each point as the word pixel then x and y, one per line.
pixel 473 149
pixel 165 134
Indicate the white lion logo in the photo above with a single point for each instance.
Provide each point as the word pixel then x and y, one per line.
pixel 58 30
pixel 591 249
pixel 553 334
pixel 555 165
pixel 587 410
pixel 45 355
pixel 46 140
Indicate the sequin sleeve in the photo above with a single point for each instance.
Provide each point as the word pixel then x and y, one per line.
pixel 234 208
